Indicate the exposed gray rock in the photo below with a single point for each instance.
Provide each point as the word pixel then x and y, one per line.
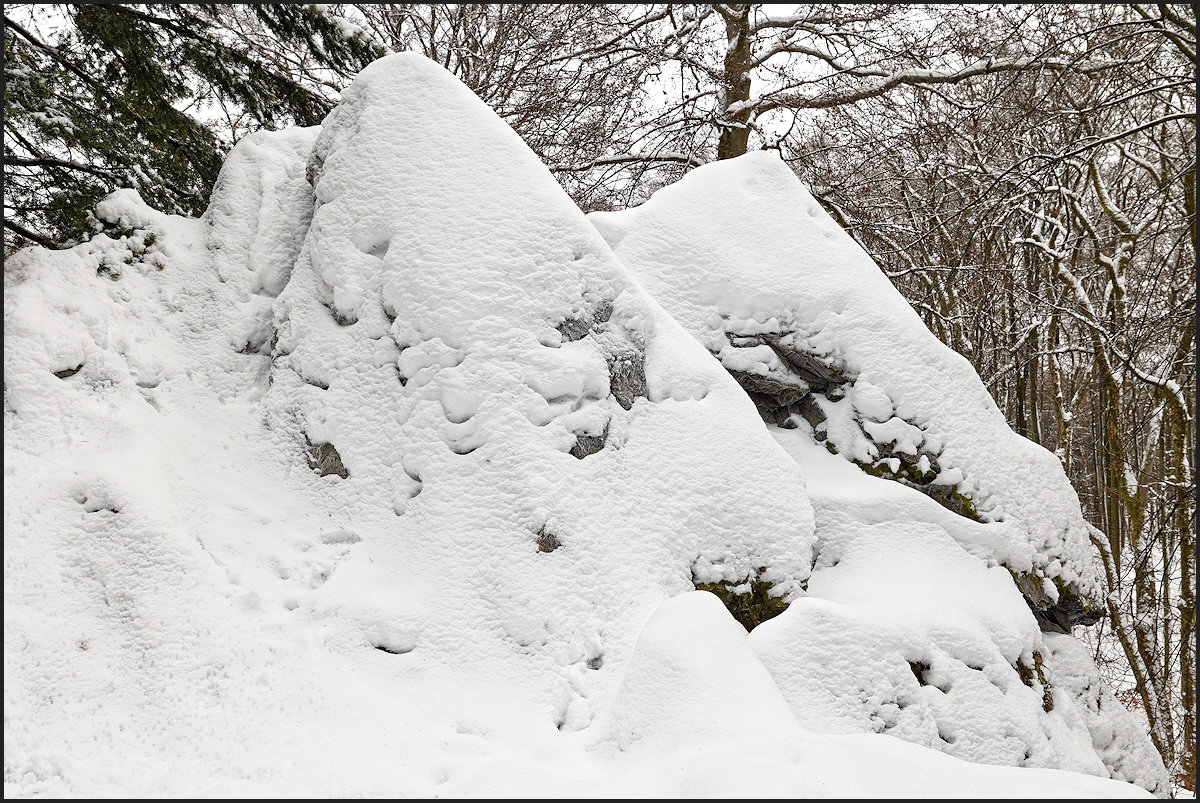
pixel 588 444
pixel 627 376
pixel 324 458
pixel 547 541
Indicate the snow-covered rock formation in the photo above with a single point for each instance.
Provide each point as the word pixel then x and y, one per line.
pixel 388 477
pixel 839 364
pixel 747 260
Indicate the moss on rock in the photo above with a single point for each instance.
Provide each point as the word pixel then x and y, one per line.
pixel 750 602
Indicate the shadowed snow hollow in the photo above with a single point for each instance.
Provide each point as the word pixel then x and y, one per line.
pixel 386 479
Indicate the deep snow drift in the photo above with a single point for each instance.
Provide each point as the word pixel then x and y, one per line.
pixel 388 478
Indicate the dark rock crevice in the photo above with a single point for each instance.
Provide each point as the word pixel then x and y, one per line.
pixel 1070 610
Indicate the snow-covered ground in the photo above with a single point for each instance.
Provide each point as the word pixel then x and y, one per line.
pixel 392 476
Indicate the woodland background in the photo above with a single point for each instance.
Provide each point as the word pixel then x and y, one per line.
pixel 1025 174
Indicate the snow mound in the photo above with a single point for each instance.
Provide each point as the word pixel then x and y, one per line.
pixel 384 478
pixel 260 209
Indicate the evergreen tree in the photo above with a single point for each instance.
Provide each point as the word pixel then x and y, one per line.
pixel 116 96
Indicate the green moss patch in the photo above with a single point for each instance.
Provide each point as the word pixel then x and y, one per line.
pixel 749 602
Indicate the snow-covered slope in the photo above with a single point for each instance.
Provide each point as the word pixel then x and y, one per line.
pixel 385 478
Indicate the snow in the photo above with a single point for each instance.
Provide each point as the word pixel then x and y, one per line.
pixel 399 483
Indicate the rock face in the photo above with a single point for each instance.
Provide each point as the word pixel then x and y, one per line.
pixel 389 477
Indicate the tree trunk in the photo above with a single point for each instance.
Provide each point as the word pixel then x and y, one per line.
pixel 735 128
pixel 1110 475
pixel 1184 525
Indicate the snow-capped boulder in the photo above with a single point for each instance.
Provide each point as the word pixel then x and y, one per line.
pixel 745 258
pixel 521 418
